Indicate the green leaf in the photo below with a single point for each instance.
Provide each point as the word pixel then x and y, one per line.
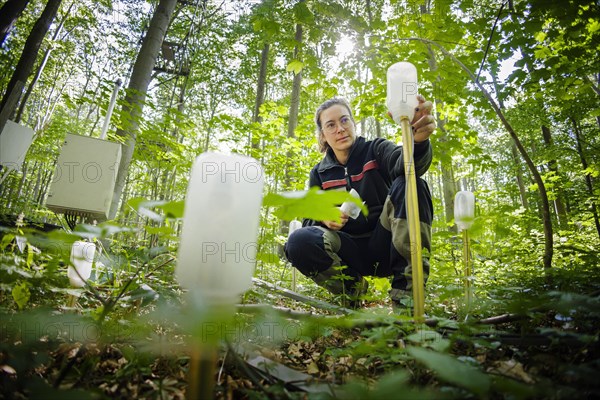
pixel 431 339
pixel 295 66
pixel 172 209
pixel 103 230
pixel 453 371
pixel 21 294
pixel 303 13
pixel 6 240
pixel 314 204
pixel 30 253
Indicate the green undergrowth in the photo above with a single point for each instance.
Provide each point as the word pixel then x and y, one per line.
pixel 528 333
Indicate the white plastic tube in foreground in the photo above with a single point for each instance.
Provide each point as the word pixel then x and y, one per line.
pixel 217 251
pixel 82 258
pixel 218 245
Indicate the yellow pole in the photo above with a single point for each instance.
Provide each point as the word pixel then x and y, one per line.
pixel 412 215
pixel 467 258
pixel 201 373
pixel 294 279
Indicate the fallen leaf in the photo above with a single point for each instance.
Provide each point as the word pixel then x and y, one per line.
pixel 312 368
pixel 513 369
pixel 8 369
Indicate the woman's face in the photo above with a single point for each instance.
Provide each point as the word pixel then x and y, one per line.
pixel 338 128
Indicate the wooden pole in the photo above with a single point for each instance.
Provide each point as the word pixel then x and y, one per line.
pixel 467 270
pixel 201 374
pixel 412 215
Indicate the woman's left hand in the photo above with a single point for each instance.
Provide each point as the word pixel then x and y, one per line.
pixel 423 124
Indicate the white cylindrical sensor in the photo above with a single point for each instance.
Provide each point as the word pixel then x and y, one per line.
pixel 402 90
pixel 218 244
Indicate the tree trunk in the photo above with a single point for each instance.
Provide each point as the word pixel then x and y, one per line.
pixel 295 98
pixel 545 209
pixel 559 205
pixel 519 173
pixel 27 60
pixel 262 79
pixel 40 69
pixel 260 91
pixel 588 177
pixel 136 92
pixel 449 190
pixel 449 183
pixel 10 11
pixel 292 122
pixel 515 155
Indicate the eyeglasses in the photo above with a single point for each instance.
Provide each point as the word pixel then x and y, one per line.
pixel 331 126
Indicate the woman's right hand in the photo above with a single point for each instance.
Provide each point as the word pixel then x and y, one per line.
pixel 336 226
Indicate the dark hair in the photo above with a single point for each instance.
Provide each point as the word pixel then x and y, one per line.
pixel 323 146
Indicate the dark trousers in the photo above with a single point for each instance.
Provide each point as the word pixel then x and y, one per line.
pixel 315 249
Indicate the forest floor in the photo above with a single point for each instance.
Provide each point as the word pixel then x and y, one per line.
pixel 289 349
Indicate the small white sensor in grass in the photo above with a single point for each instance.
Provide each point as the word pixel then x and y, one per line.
pixel 82 259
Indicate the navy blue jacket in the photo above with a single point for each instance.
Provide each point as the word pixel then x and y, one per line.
pixel 370 169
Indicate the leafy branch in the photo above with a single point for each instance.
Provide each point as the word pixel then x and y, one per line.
pixel 546 219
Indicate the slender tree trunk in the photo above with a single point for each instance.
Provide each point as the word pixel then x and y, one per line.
pixel 372 58
pixel 9 13
pixel 519 174
pixel 260 92
pixel 295 98
pixel 545 209
pixel 42 65
pixel 27 60
pixel 588 177
pixel 449 191
pixel 449 183
pixel 559 205
pixel 136 92
pixel 293 119
pixel 262 79
pixel 515 154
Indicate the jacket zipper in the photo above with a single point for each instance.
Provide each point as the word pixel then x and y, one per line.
pixel 348 182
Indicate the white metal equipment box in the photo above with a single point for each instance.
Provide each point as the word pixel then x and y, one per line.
pixel 84 177
pixel 14 143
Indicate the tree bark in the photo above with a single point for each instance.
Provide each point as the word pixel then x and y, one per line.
pixel 136 92
pixel 27 60
pixel 10 11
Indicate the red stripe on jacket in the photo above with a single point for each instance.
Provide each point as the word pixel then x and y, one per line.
pixel 333 183
pixel 355 178
pixel 367 167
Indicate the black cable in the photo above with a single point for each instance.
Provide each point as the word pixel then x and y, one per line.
pixel 71 219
